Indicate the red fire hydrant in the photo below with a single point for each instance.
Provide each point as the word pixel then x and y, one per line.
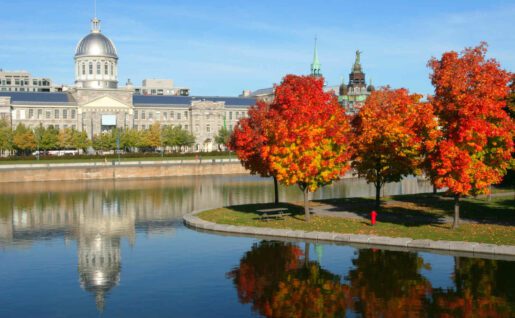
pixel 373 216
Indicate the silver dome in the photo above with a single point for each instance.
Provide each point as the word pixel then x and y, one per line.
pixel 96 44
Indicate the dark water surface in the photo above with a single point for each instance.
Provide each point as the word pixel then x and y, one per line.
pixel 119 249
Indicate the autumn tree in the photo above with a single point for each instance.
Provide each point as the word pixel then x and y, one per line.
pixel 308 135
pixel 66 138
pixel 23 139
pixel 152 136
pixel 390 131
pixel 249 140
pixel 477 133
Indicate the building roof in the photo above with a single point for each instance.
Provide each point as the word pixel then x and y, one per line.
pixel 153 100
pixel 57 98
pixel 63 98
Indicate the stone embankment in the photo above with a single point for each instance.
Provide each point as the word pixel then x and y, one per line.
pixel 470 248
pixel 118 170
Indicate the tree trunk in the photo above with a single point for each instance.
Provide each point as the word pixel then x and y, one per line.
pixel 276 191
pixel 434 189
pixel 306 253
pixel 378 195
pixel 456 211
pixel 306 208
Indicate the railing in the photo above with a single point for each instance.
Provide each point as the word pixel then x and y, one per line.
pixel 115 163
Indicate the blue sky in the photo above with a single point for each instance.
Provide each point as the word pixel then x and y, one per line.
pixel 222 47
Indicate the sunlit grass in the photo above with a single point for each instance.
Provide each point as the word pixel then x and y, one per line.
pixel 493 221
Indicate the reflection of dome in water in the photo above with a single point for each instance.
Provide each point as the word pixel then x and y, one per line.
pixel 99 266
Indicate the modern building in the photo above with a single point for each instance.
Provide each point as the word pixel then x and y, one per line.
pixel 23 81
pixel 160 87
pixel 95 104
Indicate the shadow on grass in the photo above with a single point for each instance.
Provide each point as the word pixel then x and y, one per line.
pixel 402 215
pixel 295 211
pixel 425 209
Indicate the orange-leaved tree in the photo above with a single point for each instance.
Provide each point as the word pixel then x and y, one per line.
pixel 309 135
pixel 390 134
pixel 477 133
pixel 248 140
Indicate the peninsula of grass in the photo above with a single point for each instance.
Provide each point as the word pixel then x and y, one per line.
pixel 424 216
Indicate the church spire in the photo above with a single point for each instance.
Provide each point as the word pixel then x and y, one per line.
pixel 357 63
pixel 315 66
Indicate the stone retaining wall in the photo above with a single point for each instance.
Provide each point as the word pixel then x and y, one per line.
pixel 472 249
pixel 124 170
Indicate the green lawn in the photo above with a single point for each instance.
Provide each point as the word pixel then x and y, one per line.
pixel 415 216
pixel 110 158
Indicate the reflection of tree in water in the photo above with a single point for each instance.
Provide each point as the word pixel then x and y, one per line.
pixel 280 281
pixel 484 288
pixel 388 284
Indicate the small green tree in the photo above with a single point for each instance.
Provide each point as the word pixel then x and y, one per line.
pixel 130 139
pixel 104 141
pixel 184 138
pixel 49 138
pixel 6 137
pixel 80 140
pixel 222 137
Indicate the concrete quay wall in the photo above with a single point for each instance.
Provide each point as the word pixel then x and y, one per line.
pixel 123 170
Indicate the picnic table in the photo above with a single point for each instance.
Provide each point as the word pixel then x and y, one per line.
pixel 274 213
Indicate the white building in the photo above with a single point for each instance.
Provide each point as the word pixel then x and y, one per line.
pixel 23 81
pixel 96 104
pixel 160 87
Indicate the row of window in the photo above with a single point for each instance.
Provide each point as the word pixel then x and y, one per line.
pixel 24 82
pixel 143 127
pixel 49 114
pixel 58 127
pixel 22 89
pixel 107 66
pixel 143 115
pixel 165 115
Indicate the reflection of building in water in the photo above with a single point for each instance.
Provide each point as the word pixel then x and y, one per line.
pixel 98 245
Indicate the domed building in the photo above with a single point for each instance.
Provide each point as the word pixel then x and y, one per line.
pixel 95 104
pixel 96 60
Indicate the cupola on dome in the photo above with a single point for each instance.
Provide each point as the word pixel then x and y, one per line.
pixel 96 44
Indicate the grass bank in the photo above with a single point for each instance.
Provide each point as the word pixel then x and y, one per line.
pixel 414 216
pixel 109 158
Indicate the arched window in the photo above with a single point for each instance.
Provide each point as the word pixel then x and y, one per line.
pixel 112 69
pixel 98 68
pixel 105 68
pixel 90 68
pixel 83 69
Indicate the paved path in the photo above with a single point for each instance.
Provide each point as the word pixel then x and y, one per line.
pixel 343 210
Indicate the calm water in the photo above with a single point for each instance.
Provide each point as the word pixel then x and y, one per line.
pixel 119 249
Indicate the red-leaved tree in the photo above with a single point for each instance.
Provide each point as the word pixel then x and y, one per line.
pixel 477 133
pixel 308 135
pixel 392 131
pixel 248 140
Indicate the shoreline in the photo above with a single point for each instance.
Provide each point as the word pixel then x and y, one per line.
pixel 471 248
pixel 112 170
